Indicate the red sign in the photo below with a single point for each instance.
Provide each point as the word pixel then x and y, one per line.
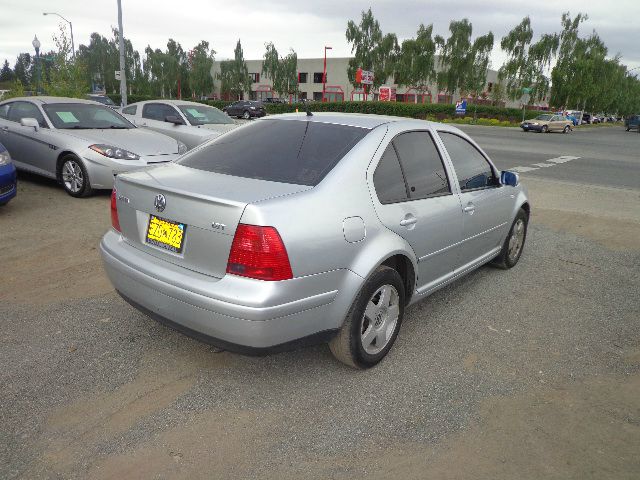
pixel 364 77
pixel 387 94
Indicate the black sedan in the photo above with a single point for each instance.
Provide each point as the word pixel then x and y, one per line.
pixel 245 109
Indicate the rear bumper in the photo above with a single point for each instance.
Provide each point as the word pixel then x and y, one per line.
pixel 8 183
pixel 234 313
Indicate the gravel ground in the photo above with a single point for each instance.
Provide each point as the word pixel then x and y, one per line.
pixel 529 373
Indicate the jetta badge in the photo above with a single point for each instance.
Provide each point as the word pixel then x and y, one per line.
pixel 160 202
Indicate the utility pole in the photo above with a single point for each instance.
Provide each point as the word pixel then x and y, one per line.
pixel 123 76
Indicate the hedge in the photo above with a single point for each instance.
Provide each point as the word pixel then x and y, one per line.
pixel 439 111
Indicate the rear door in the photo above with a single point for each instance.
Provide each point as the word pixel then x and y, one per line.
pixel 486 205
pixel 415 201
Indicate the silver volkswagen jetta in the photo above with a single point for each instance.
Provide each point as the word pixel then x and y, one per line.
pixel 299 229
pixel 81 143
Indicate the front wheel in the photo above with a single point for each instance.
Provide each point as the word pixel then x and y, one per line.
pixel 75 179
pixel 514 243
pixel 246 115
pixel 545 129
pixel 372 323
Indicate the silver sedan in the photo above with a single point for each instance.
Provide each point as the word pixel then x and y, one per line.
pixel 190 122
pixel 298 229
pixel 80 143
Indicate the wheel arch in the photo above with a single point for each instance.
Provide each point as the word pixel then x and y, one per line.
pixel 404 266
pixel 61 156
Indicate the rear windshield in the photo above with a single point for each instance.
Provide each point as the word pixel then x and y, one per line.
pixel 286 151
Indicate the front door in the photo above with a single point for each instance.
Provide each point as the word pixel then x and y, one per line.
pixel 416 202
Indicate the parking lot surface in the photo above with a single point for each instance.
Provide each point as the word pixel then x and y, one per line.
pixel 528 373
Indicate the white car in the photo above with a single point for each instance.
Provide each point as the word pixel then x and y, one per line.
pixel 190 122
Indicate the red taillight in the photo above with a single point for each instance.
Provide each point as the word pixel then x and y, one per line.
pixel 115 221
pixel 258 252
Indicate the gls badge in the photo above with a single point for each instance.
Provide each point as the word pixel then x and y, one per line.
pixel 160 202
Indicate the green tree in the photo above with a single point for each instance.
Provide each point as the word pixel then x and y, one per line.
pixel 415 64
pixel 234 75
pixel 281 71
pixel 200 63
pixel 455 57
pixel 371 50
pixel 22 69
pixel 68 78
pixel 6 74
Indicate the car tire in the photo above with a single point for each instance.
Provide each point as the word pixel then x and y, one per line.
pixel 628 129
pixel 514 243
pixel 246 115
pixel 566 129
pixel 74 177
pixel 544 129
pixel 382 297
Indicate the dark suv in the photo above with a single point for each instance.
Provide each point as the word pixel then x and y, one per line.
pixel 245 109
pixel 632 121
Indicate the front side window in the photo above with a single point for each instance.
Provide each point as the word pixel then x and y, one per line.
pixel 203 114
pixel 388 180
pixel 85 116
pixel 20 110
pixel 422 166
pixel 472 168
pixel 158 111
pixel 287 151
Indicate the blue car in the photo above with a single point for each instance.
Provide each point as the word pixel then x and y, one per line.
pixel 8 179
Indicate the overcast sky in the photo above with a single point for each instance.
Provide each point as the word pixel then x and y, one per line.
pixel 305 26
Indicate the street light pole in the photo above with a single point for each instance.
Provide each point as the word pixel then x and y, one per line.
pixel 36 45
pixel 73 46
pixel 324 73
pixel 123 76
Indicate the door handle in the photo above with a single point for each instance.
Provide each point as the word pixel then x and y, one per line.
pixel 408 221
pixel 469 208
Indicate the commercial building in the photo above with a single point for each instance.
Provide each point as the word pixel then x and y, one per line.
pixel 338 87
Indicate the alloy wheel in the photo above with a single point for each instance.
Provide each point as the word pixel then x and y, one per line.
pixel 380 319
pixel 72 176
pixel 517 240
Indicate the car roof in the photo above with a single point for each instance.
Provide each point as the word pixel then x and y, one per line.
pixel 49 100
pixel 351 119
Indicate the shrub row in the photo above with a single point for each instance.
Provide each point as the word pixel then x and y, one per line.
pixel 437 111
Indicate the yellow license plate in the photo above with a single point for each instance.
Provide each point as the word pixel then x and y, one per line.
pixel 166 234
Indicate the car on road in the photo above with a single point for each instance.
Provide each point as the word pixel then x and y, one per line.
pixel 245 109
pixel 80 143
pixel 632 122
pixel 547 122
pixel 8 178
pixel 190 122
pixel 297 229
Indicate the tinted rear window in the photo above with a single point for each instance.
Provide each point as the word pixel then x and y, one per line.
pixel 287 151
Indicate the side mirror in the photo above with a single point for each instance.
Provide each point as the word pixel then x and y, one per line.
pixel 509 178
pixel 176 120
pixel 30 122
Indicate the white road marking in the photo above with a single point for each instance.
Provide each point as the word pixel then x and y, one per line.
pixel 552 162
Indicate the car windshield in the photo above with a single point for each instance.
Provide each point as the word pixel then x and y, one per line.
pixel 544 117
pixel 203 114
pixel 84 116
pixel 287 151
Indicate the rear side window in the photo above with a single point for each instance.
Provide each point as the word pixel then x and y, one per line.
pixel 472 168
pixel 131 110
pixel 286 151
pixel 422 166
pixel 158 111
pixel 388 179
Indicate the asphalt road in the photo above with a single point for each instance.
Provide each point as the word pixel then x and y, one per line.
pixel 600 155
pixel 530 373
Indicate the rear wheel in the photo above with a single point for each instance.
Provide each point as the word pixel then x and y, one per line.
pixel 566 129
pixel 514 243
pixel 74 177
pixel 246 115
pixel 373 321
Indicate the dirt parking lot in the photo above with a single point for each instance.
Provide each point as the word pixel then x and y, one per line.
pixel 531 373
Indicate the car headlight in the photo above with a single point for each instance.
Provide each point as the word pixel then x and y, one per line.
pixel 252 108
pixel 5 158
pixel 114 152
pixel 535 123
pixel 182 148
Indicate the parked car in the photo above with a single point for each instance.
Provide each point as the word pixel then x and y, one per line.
pixel 103 99
pixel 80 143
pixel 300 229
pixel 8 178
pixel 190 122
pixel 632 122
pixel 547 122
pixel 572 118
pixel 588 118
pixel 245 109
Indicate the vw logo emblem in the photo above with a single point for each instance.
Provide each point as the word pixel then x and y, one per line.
pixel 160 202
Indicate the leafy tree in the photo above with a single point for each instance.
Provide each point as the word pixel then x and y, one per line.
pixel 479 64
pixel 22 69
pixel 175 64
pixel 6 74
pixel 234 75
pixel 455 57
pixel 498 94
pixel 372 50
pixel 282 71
pixel 200 63
pixel 415 66
pixel 67 77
